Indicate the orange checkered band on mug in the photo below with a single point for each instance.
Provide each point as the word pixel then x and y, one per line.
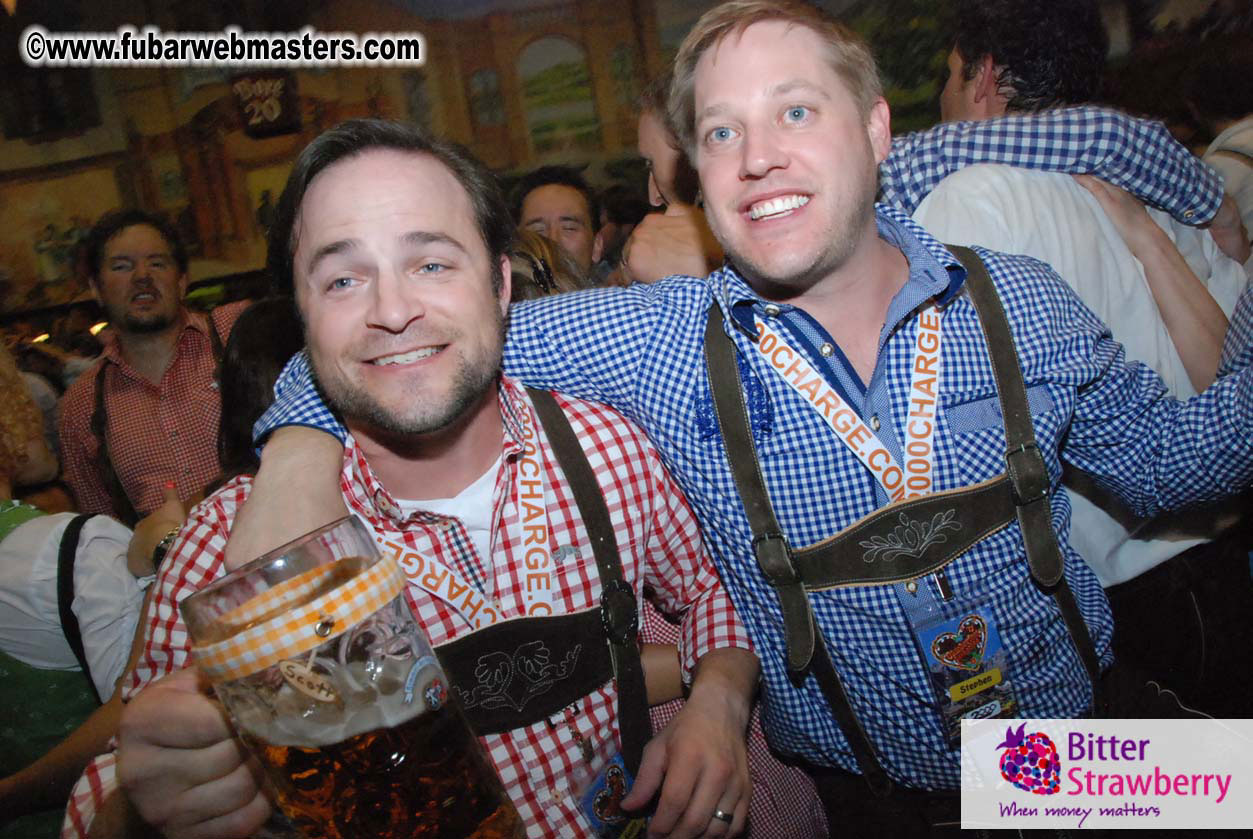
pixel 298 615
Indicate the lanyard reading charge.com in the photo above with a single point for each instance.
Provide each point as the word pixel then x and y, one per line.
pixel 532 534
pixel 900 481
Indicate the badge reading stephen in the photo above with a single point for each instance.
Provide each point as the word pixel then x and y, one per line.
pixel 968 667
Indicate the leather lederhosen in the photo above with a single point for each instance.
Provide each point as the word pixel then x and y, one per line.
pixel 1020 493
pixel 520 671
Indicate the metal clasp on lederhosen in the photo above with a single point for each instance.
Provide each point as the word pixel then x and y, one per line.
pixel 1021 493
pixel 571 664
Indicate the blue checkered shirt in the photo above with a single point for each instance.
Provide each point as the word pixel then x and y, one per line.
pixel 640 349
pixel 1138 155
pixel 1238 346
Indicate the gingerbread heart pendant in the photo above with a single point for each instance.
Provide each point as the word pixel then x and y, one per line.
pixel 608 802
pixel 963 649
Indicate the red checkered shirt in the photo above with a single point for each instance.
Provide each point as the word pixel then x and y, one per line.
pixel 156 432
pixel 658 540
pixel 785 802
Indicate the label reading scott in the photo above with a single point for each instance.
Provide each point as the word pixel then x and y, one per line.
pixel 300 676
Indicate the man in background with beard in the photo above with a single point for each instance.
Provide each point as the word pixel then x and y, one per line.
pixel 146 416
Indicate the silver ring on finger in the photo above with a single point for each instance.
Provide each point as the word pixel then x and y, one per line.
pixel 723 816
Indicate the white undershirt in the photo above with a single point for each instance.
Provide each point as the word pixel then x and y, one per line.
pixel 472 507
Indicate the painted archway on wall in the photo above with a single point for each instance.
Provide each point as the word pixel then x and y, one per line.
pixel 557 97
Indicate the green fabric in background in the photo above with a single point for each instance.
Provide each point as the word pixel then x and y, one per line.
pixel 40 708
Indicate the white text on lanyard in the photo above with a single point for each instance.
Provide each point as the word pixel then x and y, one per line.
pixel 533 537
pixel 916 476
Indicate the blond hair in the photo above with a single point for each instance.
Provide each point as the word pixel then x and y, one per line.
pixel 847 53
pixel 541 267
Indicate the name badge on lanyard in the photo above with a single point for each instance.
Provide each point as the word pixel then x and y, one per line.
pixel 965 661
pixel 532 537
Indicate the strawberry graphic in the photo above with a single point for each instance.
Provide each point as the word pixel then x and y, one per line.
pixel 1030 762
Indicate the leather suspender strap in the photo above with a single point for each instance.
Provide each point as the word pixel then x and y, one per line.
pixel 619 616
pixel 1025 463
pixel 215 344
pixel 1023 459
pixel 215 338
pixel 66 555
pixel 122 506
pixel 805 645
pixel 770 547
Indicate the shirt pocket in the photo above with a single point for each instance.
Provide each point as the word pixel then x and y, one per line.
pixel 985 413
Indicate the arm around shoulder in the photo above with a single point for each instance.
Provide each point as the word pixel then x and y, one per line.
pixel 276 513
pixel 1137 155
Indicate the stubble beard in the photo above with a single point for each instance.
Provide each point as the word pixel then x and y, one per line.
pixel 146 325
pixel 471 381
pixel 140 324
pixel 842 238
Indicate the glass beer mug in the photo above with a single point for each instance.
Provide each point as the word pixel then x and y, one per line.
pixel 318 660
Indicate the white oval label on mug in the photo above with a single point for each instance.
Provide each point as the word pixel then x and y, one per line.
pixel 301 676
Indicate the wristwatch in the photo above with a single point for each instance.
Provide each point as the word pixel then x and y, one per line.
pixel 163 547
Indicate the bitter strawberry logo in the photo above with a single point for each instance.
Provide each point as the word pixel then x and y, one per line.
pixel 1030 762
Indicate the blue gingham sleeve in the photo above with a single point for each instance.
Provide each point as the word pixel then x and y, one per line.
pixel 1155 452
pixel 297 401
pixel 1138 155
pixel 593 344
pixel 1238 346
pixel 587 344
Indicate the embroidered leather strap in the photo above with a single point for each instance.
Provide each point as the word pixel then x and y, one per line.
pixel 520 671
pixel 909 539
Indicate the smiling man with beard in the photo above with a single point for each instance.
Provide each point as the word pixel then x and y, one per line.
pixel 147 413
pixel 487 495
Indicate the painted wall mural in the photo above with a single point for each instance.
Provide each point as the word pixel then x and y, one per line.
pixel 557 96
pixel 520 82
pixel 486 104
pixel 41 225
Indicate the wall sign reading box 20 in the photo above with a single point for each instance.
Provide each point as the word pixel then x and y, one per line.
pixel 268 104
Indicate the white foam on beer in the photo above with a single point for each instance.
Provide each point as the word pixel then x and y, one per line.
pixel 376 700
